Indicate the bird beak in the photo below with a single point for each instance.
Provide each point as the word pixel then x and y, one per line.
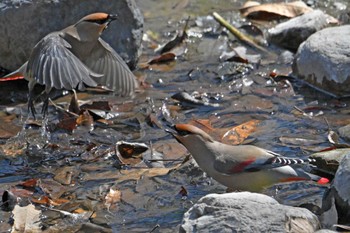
pixel 112 17
pixel 172 130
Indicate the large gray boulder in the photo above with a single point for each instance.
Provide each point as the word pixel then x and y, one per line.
pixel 25 22
pixel 341 190
pixel 292 33
pixel 246 212
pixel 323 60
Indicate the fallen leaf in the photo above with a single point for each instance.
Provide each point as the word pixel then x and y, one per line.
pixel 85 119
pixel 7 128
pixel 31 183
pixel 176 41
pixel 130 153
pixel 74 105
pixel 23 193
pixel 112 198
pixel 271 11
pixel 232 136
pixel 183 192
pixel 97 105
pixel 239 133
pixel 165 57
pixel 64 175
pixel 26 219
pixel 239 54
pixel 67 122
pixel 51 188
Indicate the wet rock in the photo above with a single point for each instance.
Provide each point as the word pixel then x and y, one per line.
pixel 292 33
pixel 325 231
pixel 27 21
pixel 246 212
pixel 90 227
pixel 341 190
pixel 344 132
pixel 323 61
pixel 329 161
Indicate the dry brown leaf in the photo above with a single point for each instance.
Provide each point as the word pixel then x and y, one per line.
pixel 64 175
pixel 74 105
pixel 31 183
pixel 68 122
pixel 233 136
pixel 7 128
pixel 112 198
pixel 97 105
pixel 23 193
pixel 271 11
pixel 183 192
pixel 239 133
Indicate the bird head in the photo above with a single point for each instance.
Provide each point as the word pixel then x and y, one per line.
pixel 187 134
pixel 92 26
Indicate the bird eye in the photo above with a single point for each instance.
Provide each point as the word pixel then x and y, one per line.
pixel 183 132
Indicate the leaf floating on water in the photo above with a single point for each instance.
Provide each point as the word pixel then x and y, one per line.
pixel 271 11
pixel 239 133
pixel 31 183
pixel 130 149
pixel 85 119
pixel 113 197
pixel 67 122
pixel 7 128
pixel 64 175
pixel 26 219
pixel 183 192
pixel 176 41
pixel 239 54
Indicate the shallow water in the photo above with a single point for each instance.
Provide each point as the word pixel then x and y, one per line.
pixel 243 91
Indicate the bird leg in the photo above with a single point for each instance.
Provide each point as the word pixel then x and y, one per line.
pixel 45 108
pixel 31 107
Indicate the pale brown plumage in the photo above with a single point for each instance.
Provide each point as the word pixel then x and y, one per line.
pixel 242 167
pixel 76 56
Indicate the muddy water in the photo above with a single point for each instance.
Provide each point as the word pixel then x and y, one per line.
pixel 286 111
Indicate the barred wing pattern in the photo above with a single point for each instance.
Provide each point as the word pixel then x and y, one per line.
pixel 52 64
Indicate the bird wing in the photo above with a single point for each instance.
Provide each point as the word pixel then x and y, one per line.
pixel 117 75
pixel 260 160
pixel 52 64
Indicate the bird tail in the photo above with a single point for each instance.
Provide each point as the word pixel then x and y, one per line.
pixel 15 75
pixel 316 178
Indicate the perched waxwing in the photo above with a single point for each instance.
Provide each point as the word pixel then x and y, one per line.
pixel 74 57
pixel 241 167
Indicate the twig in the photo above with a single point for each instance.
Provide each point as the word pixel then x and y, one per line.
pixel 240 36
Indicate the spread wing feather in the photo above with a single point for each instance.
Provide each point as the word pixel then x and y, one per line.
pixel 116 74
pixel 52 64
